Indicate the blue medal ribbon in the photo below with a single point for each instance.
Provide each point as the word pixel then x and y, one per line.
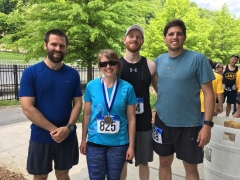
pixel 109 102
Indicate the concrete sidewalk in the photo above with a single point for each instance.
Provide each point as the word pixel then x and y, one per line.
pixel 14 146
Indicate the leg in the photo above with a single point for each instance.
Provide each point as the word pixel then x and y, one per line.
pixel 237 114
pixel 116 157
pixel 191 171
pixel 143 152
pixel 228 109
pixel 63 163
pixel 234 108
pixel 39 161
pixel 96 162
pixel 62 175
pixel 40 177
pixel 165 172
pixel 143 172
pixel 124 171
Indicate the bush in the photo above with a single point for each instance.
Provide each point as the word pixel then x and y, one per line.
pixel 153 98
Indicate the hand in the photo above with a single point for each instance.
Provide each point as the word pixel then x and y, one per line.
pixel 60 134
pixel 219 109
pixel 204 136
pixel 82 147
pixel 130 153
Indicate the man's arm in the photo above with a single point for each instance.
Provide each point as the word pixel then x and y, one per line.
pixel 34 115
pixel 76 110
pixel 155 82
pixel 85 122
pixel 205 133
pixel 153 71
pixel 220 103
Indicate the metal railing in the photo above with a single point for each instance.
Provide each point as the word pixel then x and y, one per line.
pixel 10 76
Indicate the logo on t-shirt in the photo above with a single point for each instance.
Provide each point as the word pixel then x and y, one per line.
pixel 133 69
pixel 230 76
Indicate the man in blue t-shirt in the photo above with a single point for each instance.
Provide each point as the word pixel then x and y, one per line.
pixel 51 98
pixel 178 127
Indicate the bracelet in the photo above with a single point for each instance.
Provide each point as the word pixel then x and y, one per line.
pixel 209 123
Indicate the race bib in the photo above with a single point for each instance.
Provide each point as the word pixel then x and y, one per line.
pixel 108 124
pixel 157 134
pixel 139 109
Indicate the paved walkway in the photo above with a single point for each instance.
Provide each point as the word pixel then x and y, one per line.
pixel 14 138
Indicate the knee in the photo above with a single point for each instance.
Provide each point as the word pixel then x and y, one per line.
pixel 166 161
pixel 62 175
pixel 40 177
pixel 191 168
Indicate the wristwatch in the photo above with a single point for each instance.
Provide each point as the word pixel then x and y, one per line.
pixel 209 123
pixel 70 127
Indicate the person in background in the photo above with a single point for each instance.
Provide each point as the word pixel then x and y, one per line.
pixel 51 98
pixel 218 92
pixel 237 113
pixel 138 71
pixel 229 83
pixel 219 70
pixel 180 75
pixel 108 120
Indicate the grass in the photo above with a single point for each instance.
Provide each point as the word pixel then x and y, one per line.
pixel 11 56
pixel 9 102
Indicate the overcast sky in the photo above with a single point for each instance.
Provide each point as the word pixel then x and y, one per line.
pixel 233 5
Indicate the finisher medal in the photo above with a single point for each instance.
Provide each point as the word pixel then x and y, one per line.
pixel 108 120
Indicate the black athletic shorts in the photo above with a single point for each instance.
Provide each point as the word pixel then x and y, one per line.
pixel 231 96
pixel 179 140
pixel 41 155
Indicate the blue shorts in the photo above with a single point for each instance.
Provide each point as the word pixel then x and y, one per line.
pixel 105 160
pixel 40 156
pixel 179 140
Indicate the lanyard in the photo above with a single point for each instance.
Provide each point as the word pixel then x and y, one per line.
pixel 109 102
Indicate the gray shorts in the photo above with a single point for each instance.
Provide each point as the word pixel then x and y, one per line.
pixel 143 147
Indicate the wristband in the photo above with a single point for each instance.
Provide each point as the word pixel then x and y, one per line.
pixel 209 123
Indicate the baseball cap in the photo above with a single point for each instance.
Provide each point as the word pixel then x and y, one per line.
pixel 135 26
pixel 235 56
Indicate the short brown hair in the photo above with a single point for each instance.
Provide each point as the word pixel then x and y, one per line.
pixel 173 23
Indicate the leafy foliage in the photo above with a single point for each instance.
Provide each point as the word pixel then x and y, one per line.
pixel 92 25
pixel 213 33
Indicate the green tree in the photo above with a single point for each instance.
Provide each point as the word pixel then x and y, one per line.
pixel 197 35
pixel 213 33
pixel 7 6
pixel 224 36
pixel 91 25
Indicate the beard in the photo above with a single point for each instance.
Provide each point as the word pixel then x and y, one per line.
pixel 51 57
pixel 133 49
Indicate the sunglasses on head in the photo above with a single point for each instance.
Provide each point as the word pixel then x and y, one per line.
pixel 110 63
pixel 218 65
pixel 235 56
